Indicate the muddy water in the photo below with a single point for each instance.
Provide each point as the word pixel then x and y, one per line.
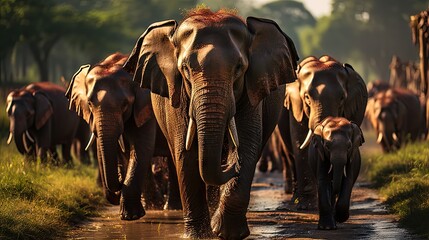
pixel 270 216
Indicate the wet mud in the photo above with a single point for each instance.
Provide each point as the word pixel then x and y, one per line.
pixel 270 216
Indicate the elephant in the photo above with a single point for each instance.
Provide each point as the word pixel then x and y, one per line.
pixel 324 87
pixel 122 123
pixel 277 152
pixel 376 86
pixel 389 113
pixel 335 160
pixel 40 120
pixel 217 86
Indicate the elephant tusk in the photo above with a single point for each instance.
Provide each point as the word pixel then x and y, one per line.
pixel 192 128
pixel 121 143
pixel 233 132
pixel 330 169
pixel 380 137
pixel 24 141
pixel 91 141
pixel 395 137
pixel 9 139
pixel 29 136
pixel 307 139
pixel 345 172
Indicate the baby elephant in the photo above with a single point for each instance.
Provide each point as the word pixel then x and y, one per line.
pixel 335 160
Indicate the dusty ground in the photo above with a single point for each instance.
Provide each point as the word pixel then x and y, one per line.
pixel 270 216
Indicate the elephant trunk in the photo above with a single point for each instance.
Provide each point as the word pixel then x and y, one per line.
pixel 339 171
pixel 20 139
pixel 212 131
pixel 107 142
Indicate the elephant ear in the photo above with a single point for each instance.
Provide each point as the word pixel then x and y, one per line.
pixel 142 106
pixel 357 139
pixel 43 109
pixel 77 93
pixel 293 101
pixel 272 59
pixel 153 61
pixel 357 96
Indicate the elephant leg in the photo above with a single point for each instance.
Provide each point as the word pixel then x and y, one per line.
pixel 343 203
pixel 229 221
pixel 173 202
pixel 193 196
pixel 131 207
pixel 306 193
pixel 66 151
pixel 325 199
pixel 153 197
pixel 287 154
pixel 42 153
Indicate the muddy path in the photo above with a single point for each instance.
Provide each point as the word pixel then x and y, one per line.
pixel 270 216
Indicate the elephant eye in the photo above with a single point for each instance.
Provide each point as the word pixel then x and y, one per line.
pixel 186 71
pixel 307 99
pixel 238 69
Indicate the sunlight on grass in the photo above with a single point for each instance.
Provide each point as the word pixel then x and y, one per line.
pixel 41 202
pixel 403 179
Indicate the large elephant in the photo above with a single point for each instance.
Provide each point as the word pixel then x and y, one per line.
pixel 335 160
pixel 40 120
pixel 389 113
pixel 217 89
pixel 324 87
pixel 120 116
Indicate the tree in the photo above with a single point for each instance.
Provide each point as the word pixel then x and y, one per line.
pixel 290 16
pixel 42 24
pixel 369 32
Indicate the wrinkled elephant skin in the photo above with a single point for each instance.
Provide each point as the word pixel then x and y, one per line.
pixel 216 105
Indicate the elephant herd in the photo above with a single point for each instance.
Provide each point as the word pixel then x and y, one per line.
pixel 206 94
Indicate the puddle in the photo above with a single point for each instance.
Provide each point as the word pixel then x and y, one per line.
pixel 270 216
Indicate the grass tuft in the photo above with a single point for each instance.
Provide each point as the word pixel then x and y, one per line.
pixel 403 179
pixel 42 202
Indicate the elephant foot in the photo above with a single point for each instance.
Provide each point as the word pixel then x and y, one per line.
pixel 198 229
pixel 112 197
pixel 306 202
pixel 131 209
pixel 227 226
pixel 341 215
pixel 327 223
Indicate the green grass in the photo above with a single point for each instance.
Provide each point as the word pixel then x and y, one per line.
pixel 42 202
pixel 403 180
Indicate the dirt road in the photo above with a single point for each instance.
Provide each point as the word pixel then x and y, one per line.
pixel 270 216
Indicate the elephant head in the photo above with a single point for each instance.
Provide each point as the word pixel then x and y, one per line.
pixel 388 116
pixel 334 145
pixel 28 110
pixel 106 98
pixel 208 65
pixel 326 88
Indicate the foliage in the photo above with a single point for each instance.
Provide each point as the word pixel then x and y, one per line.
pixel 290 16
pixel 370 30
pixel 403 178
pixel 42 202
